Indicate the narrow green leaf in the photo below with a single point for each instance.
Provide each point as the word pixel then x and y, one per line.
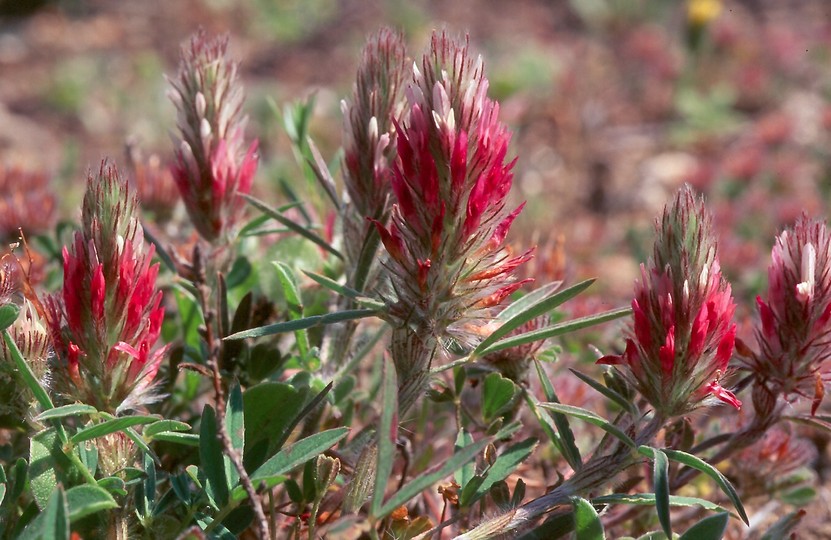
pixel 26 374
pixel 648 499
pixel 817 422
pixel 700 465
pixel 321 172
pixel 187 439
pixel 463 475
pixel 235 425
pixel 163 426
pixel 564 436
pixel 313 404
pixel 622 402
pixel 505 464
pixel 295 305
pixel 8 315
pixel 387 434
pixel 343 290
pixel 304 323
pixel 587 524
pixel 76 409
pixel 110 426
pixel 212 463
pixel 299 229
pixel 709 528
pixel 660 473
pixel 430 477
pixel 87 499
pixel 142 445
pixel 53 522
pixel 555 330
pixel 533 297
pixel 532 311
pixel 591 418
pixel 161 253
pixel 298 453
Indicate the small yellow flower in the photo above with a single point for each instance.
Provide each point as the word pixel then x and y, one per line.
pixel 701 12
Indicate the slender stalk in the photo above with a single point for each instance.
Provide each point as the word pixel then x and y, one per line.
pixel 595 473
pixel 214 348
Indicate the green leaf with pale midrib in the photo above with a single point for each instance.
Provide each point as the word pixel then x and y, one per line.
pixel 110 426
pixel 555 330
pixel 298 453
pixel 304 323
pixel 532 311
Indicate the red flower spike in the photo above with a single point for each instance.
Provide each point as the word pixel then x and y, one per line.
pixel 794 333
pixel 450 181
pixel 682 335
pixel 108 314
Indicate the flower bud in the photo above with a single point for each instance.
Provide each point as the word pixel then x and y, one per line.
pixel 212 165
pixel 681 338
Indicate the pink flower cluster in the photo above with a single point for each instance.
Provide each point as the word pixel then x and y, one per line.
pixel 682 334
pixel 794 336
pixel 212 167
pixel 108 315
pixel 450 180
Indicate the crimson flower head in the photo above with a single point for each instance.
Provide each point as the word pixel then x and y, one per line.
pixel 682 335
pixel 108 315
pixel 451 178
pixel 794 334
pixel 212 164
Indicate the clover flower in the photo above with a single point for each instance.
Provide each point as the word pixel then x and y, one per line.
pixel 29 336
pixel 212 166
pixel 794 334
pixel 108 314
pixel 25 202
pixel 445 238
pixel 682 335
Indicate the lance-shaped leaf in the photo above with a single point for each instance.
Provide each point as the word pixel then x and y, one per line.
pixel 555 330
pixel 591 418
pixel 304 323
pixel 531 311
